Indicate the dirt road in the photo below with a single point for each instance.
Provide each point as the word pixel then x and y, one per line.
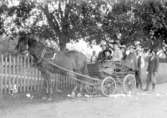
pixel 139 105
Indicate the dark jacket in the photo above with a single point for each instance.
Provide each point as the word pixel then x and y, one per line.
pixel 153 64
pixel 101 57
pixel 138 63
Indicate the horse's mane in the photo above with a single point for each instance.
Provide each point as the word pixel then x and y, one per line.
pixel 32 42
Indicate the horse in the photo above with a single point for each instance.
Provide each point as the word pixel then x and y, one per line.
pixel 70 60
pixel 80 59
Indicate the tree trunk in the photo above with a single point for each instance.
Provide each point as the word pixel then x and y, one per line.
pixel 63 41
pixel 63 38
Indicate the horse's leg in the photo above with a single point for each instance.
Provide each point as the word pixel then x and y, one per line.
pixel 52 83
pixel 50 87
pixel 56 77
pixel 81 89
pixel 47 86
pixel 84 71
pixel 74 90
pixel 80 86
pixel 46 82
pixel 85 68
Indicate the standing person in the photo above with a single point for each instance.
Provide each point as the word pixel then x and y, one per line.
pixel 131 59
pixel 139 66
pixel 152 69
pixel 93 57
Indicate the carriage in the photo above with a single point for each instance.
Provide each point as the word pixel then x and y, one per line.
pixel 103 77
pixel 112 75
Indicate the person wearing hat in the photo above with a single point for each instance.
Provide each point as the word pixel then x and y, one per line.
pixel 105 54
pixel 140 64
pixel 152 69
pixel 117 54
pixel 93 58
pixel 132 59
pixel 123 49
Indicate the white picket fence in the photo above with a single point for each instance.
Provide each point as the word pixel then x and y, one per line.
pixel 17 73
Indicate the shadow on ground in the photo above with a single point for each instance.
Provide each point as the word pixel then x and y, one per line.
pixel 23 99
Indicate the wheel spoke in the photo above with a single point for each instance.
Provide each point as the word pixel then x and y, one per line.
pixel 90 89
pixel 129 83
pixel 108 86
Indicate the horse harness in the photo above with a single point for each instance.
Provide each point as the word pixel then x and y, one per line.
pixel 43 54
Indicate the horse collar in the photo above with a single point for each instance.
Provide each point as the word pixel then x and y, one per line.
pixel 42 55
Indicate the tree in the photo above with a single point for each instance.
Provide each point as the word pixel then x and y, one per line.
pixel 58 20
pixel 143 21
pixel 153 16
pixel 75 20
pixel 63 21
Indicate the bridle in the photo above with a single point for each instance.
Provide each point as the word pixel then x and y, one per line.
pixel 44 50
pixel 42 55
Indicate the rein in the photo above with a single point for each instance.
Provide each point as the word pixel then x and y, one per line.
pixel 73 72
pixel 42 55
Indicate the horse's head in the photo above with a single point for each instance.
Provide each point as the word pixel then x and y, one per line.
pixel 26 44
pixel 22 45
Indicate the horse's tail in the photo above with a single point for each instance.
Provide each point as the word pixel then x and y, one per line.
pixel 85 68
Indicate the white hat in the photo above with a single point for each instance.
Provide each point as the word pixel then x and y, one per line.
pixel 103 43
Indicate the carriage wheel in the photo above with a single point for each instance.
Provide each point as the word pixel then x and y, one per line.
pixel 129 83
pixel 108 86
pixel 91 89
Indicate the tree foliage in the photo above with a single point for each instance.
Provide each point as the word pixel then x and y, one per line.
pixel 63 21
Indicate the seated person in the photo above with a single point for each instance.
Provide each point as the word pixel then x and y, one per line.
pixel 107 54
pixel 104 55
pixel 124 55
pixel 117 54
pixel 93 57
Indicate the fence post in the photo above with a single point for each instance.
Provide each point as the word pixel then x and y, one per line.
pixel 10 85
pixel 6 75
pixel 17 71
pixel 23 74
pixel 1 72
pixel 14 70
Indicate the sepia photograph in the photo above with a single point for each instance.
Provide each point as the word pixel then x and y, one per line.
pixel 83 58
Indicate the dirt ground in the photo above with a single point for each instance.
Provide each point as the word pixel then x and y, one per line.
pixel 152 104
